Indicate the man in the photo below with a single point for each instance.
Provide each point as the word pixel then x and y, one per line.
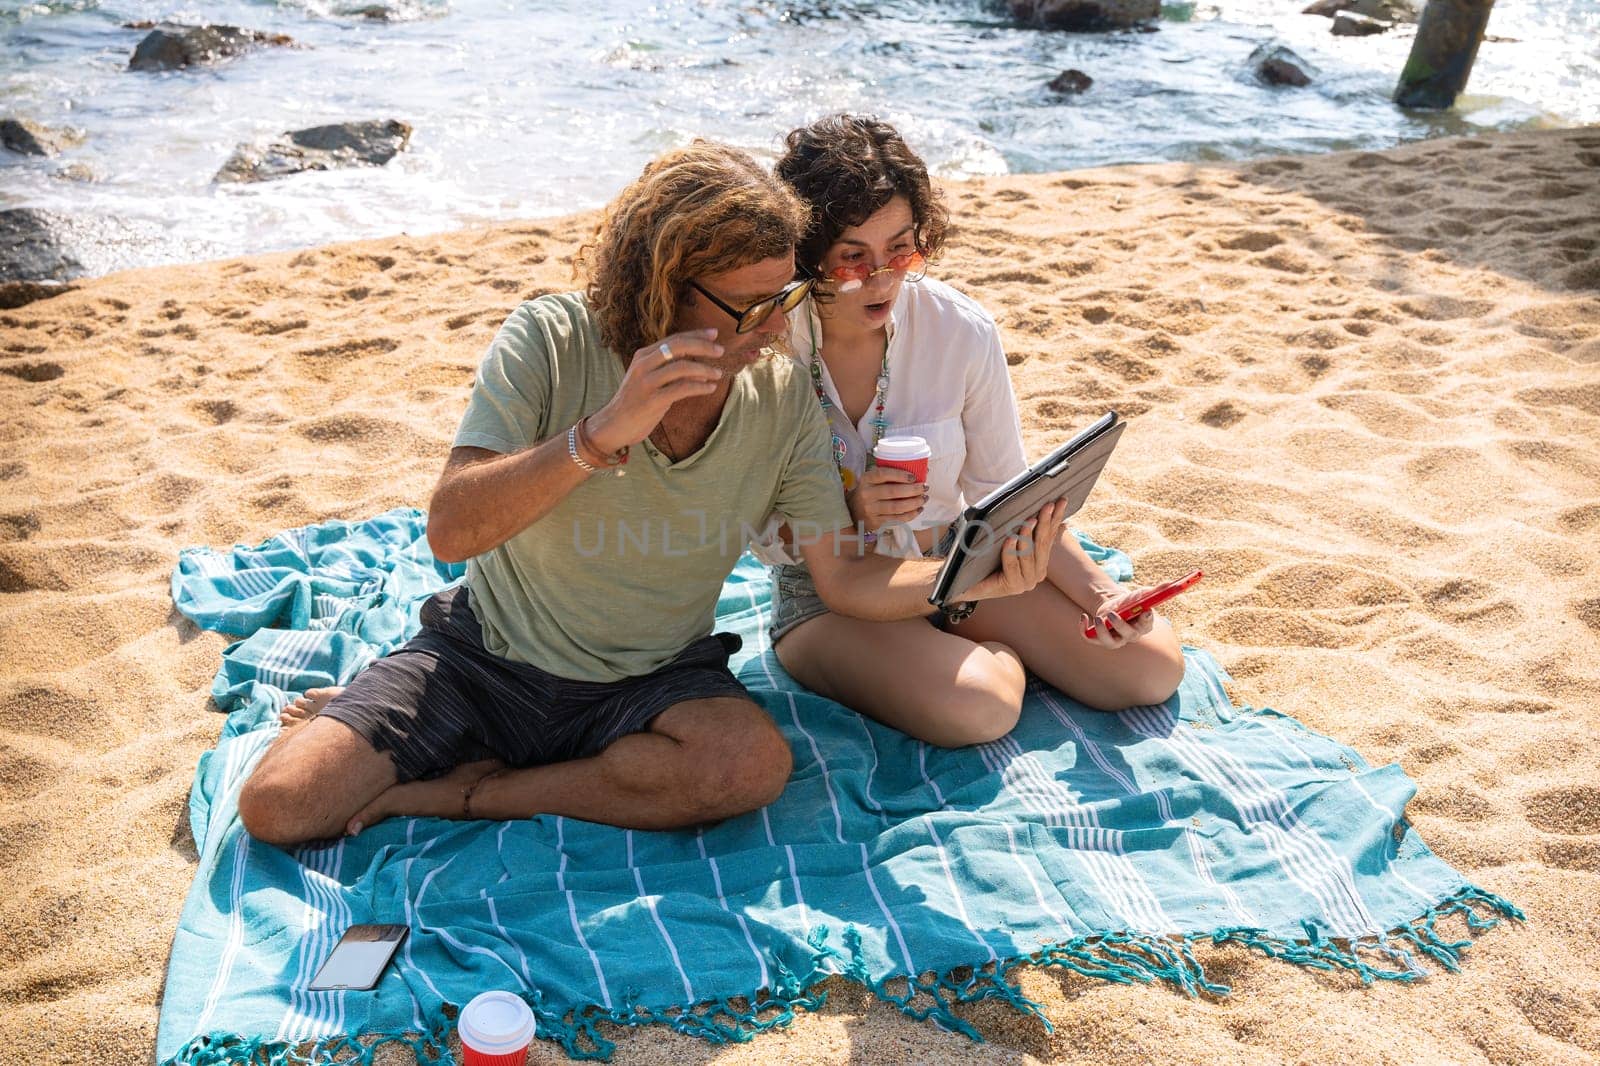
pixel 575 671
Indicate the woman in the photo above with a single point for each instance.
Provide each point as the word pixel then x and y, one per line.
pixel 893 353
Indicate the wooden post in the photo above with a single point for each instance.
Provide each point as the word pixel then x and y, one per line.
pixel 1447 41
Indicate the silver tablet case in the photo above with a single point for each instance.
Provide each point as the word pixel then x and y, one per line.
pixel 1070 471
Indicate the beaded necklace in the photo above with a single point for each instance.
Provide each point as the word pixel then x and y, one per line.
pixel 880 421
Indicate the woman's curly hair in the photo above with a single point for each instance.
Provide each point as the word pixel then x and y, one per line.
pixel 846 167
pixel 695 211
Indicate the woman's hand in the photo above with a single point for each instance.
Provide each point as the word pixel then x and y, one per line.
pixel 1025 556
pixel 884 496
pixel 1110 630
pixel 659 376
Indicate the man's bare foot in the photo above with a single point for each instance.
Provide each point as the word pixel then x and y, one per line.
pixel 304 708
pixel 437 797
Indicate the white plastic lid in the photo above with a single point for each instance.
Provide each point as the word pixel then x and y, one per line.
pixel 497 1023
pixel 902 448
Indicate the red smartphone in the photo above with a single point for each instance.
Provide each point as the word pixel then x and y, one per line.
pixel 1150 597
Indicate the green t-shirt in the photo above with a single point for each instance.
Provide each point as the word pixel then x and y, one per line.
pixel 625 573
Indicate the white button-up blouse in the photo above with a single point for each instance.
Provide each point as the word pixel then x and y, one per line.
pixel 947 384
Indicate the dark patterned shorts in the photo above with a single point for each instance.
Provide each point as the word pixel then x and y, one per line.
pixel 442 699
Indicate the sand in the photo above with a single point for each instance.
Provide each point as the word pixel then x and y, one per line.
pixel 1365 397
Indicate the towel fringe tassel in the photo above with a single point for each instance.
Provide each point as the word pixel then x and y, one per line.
pixel 1121 958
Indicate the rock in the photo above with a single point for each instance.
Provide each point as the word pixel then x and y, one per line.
pixel 1070 83
pixel 32 247
pixel 1273 64
pixel 30 138
pixel 40 245
pixel 20 293
pixel 1382 10
pixel 347 144
pixel 1358 26
pixel 389 11
pixel 76 172
pixel 1388 10
pixel 1084 15
pixel 171 46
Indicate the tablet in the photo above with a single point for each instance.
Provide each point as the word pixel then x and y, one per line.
pixel 1069 472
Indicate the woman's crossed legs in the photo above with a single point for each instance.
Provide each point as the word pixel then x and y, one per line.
pixel 964 686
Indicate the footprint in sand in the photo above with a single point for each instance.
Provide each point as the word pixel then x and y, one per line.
pixel 23 772
pixel 34 372
pixel 1571 854
pixel 1559 1011
pixel 467 318
pixel 1222 415
pixel 1258 240
pixel 1573 810
pixel 217 412
pixel 1457 803
pixel 1129 368
pixel 1585 398
pixel 266 328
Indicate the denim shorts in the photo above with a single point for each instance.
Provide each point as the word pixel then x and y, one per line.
pixel 795 600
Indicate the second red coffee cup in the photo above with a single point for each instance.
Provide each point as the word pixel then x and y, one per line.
pixel 904 453
pixel 496 1029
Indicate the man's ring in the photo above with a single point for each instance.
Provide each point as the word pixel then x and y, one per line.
pixel 666 350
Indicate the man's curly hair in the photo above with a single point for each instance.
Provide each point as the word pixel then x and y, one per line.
pixel 695 211
pixel 846 167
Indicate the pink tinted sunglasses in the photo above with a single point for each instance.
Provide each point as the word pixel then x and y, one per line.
pixel 850 278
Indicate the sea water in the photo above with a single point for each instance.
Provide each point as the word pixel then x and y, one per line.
pixel 525 108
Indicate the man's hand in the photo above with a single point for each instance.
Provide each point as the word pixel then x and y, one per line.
pixel 886 495
pixel 659 376
pixel 1025 556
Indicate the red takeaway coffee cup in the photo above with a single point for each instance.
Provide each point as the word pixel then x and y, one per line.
pixel 904 453
pixel 496 1029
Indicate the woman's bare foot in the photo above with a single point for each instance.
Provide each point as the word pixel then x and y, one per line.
pixel 437 797
pixel 304 708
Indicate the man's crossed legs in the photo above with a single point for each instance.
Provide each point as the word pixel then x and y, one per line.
pixel 416 730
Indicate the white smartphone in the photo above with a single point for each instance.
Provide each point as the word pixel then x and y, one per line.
pixel 358 959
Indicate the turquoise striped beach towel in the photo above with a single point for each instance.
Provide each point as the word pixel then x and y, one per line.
pixel 1109 844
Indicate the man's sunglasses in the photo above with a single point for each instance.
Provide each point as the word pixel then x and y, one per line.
pixel 748 319
pixel 852 277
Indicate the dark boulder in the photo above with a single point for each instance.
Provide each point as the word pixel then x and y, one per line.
pixel 171 46
pixel 346 144
pixel 1084 15
pixel 33 246
pixel 1382 10
pixel 30 138
pixel 1273 64
pixel 15 294
pixel 44 246
pixel 1358 26
pixel 1070 83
